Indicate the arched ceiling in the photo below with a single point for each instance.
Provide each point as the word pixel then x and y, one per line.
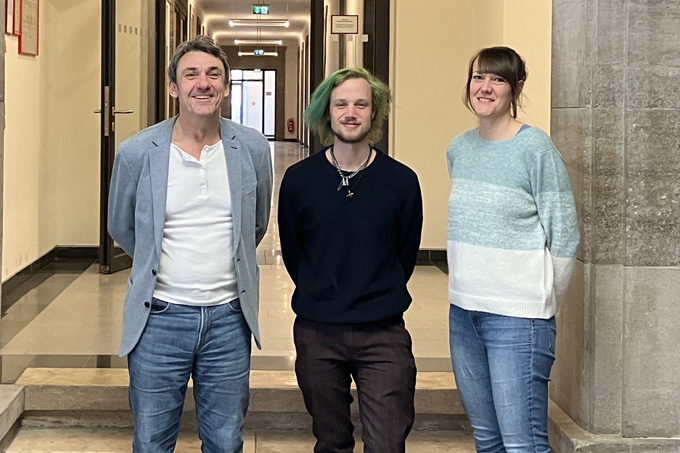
pixel 217 13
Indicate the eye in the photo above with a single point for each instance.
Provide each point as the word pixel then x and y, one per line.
pixel 361 105
pixel 340 105
pixel 215 74
pixel 476 77
pixel 498 80
pixel 190 75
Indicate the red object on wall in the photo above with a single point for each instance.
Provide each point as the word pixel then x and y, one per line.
pixel 291 124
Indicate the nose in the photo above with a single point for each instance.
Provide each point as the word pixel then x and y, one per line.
pixel 351 111
pixel 202 79
pixel 486 85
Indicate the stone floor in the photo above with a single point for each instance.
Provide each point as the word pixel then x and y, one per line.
pixel 118 440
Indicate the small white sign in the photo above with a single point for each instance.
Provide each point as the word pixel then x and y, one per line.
pixel 344 25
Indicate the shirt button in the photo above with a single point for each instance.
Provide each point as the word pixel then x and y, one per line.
pixel 153 271
pixel 147 305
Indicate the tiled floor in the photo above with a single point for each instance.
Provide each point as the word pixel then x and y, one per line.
pixel 73 318
pixel 118 440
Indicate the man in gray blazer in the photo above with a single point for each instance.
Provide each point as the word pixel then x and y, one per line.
pixel 189 202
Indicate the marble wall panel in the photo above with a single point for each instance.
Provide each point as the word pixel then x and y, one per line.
pixel 571 71
pixel 611 36
pixel 653 188
pixel 571 132
pixel 569 28
pixel 606 321
pixel 609 86
pixel 653 87
pixel 653 37
pixel 570 388
pixel 651 369
pixel 608 198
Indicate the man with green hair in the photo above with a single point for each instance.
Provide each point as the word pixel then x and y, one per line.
pixel 350 220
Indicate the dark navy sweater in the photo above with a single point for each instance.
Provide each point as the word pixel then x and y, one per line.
pixel 350 258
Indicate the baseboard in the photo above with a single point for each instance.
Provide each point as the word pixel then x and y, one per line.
pixel 57 253
pixel 431 255
pixel 76 252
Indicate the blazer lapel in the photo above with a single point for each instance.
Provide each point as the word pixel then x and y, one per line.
pixel 159 161
pixel 232 155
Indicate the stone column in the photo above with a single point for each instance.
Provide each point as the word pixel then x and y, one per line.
pixel 616 120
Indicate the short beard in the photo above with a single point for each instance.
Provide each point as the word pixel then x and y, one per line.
pixel 350 141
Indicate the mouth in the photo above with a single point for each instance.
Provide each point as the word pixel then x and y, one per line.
pixel 202 97
pixel 485 100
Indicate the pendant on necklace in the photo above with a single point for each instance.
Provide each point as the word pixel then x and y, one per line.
pixel 350 194
pixel 345 181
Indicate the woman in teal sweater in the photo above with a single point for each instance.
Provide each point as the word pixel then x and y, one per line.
pixel 512 242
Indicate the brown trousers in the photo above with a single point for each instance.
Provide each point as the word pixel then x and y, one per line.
pixel 378 357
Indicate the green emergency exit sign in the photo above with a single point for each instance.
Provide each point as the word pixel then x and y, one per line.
pixel 260 9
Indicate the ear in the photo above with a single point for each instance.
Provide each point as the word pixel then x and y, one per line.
pixel 520 87
pixel 173 90
pixel 226 91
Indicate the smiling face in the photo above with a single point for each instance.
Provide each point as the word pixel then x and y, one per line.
pixel 351 111
pixel 490 94
pixel 201 84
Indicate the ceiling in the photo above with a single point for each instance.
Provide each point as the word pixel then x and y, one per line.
pixel 217 13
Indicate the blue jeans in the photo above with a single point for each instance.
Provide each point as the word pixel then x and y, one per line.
pixel 502 368
pixel 210 344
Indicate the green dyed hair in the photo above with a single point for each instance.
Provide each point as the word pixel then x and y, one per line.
pixel 317 115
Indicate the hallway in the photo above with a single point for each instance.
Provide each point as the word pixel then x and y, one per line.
pixel 71 318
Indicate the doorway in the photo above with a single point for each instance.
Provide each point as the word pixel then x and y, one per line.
pixel 253 99
pixel 129 95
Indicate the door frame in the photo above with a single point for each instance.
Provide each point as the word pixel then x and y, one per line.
pixel 112 258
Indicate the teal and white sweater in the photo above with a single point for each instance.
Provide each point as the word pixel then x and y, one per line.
pixel 512 231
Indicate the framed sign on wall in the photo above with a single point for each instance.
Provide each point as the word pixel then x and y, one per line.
pixel 16 17
pixel 9 17
pixel 28 34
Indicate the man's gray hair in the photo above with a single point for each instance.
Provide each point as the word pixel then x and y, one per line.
pixel 201 43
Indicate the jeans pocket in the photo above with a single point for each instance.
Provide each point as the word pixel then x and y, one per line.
pixel 552 337
pixel 159 306
pixel 235 306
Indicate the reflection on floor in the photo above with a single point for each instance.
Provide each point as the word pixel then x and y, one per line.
pixel 71 317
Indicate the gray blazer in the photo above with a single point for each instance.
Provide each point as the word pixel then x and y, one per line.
pixel 137 214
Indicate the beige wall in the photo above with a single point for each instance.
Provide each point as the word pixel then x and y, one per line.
pixel 23 184
pixel 430 52
pixel 51 183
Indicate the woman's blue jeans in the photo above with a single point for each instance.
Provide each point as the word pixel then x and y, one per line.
pixel 502 368
pixel 212 346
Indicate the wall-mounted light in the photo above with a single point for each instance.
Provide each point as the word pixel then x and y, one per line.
pixel 258 42
pixel 258 54
pixel 259 23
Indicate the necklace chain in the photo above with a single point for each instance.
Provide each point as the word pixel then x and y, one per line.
pixel 344 179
